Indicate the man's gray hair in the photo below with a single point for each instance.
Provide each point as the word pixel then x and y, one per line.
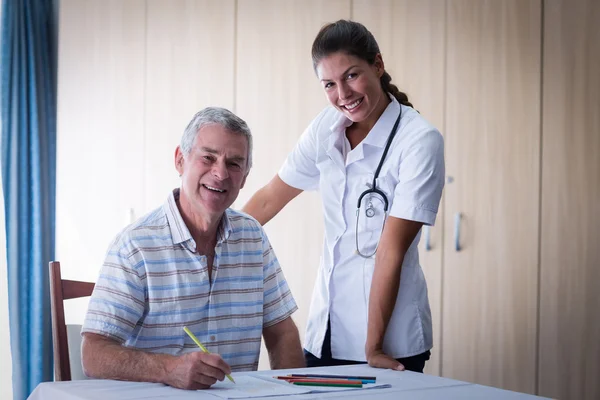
pixel 216 115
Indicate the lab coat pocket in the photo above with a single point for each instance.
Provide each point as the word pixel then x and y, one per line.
pixel 372 211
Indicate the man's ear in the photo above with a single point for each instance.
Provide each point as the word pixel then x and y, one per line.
pixel 244 180
pixel 179 160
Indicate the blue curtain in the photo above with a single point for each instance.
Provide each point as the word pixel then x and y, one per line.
pixel 28 48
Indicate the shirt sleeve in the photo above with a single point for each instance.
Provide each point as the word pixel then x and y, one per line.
pixel 118 299
pixel 300 167
pixel 278 302
pixel 421 180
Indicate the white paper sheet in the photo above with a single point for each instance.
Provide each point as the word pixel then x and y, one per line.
pixel 248 387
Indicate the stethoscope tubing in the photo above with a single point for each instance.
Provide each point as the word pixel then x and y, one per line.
pixel 373 189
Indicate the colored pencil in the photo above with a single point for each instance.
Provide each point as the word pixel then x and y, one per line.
pixel 364 379
pixel 318 380
pixel 370 378
pixel 327 384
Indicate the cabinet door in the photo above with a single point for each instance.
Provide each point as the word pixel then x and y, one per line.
pixel 100 131
pixel 414 57
pixel 569 345
pixel 190 66
pixel 491 230
pixel 278 94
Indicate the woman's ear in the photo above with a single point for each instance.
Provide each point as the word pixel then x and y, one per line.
pixel 379 65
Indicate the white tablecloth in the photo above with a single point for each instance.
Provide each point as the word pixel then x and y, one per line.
pixel 404 384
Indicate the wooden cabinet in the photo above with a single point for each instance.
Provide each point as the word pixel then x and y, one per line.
pixel 491 229
pixel 569 329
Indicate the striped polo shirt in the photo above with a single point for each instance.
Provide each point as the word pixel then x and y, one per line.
pixel 153 283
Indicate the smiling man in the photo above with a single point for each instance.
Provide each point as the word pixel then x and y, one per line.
pixel 193 262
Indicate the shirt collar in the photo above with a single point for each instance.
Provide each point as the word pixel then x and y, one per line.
pixel 340 123
pixel 382 129
pixel 179 230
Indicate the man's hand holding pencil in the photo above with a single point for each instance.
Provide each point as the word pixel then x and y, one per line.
pixel 197 370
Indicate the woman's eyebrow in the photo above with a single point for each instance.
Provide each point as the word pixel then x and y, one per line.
pixel 342 74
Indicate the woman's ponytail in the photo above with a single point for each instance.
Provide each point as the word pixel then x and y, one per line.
pixel 388 86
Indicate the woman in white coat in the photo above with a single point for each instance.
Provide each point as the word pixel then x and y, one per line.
pixel 379 166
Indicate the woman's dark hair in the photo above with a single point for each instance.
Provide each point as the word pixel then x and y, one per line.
pixel 353 38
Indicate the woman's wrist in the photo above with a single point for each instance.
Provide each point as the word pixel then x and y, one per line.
pixel 373 346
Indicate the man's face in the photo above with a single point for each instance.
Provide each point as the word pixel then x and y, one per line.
pixel 214 171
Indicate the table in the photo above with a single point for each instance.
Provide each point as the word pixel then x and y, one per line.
pixel 404 384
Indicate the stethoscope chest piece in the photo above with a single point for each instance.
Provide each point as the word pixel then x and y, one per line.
pixel 370 210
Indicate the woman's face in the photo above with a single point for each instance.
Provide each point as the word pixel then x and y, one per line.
pixel 353 87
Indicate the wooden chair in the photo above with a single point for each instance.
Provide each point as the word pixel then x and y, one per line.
pixel 60 290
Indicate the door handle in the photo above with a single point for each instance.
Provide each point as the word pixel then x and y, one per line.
pixel 427 232
pixel 457 218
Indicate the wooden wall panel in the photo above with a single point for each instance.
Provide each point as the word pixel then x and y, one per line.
pixel 493 148
pixel 189 66
pixel 100 127
pixel 100 130
pixel 569 345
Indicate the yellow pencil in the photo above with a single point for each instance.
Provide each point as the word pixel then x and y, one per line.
pixel 195 339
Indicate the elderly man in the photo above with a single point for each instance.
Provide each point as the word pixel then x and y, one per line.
pixel 193 262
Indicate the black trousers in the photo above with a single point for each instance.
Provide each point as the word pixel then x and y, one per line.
pixel 414 363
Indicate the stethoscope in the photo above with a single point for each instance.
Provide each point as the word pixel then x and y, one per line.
pixel 370 210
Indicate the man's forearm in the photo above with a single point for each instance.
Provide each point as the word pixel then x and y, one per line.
pixel 286 352
pixel 106 359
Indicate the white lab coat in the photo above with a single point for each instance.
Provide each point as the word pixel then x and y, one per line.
pixel 412 177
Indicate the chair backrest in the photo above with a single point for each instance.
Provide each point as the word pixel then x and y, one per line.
pixel 60 290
